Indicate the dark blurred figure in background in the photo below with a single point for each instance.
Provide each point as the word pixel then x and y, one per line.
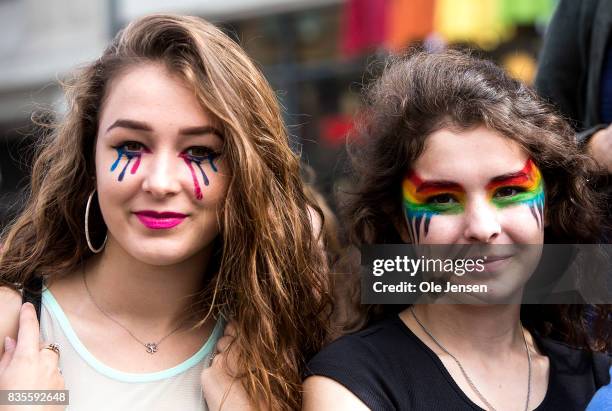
pixel 575 74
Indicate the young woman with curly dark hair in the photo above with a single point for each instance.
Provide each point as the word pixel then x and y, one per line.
pixel 452 151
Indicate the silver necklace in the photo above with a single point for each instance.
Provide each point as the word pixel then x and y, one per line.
pixel 472 385
pixel 152 347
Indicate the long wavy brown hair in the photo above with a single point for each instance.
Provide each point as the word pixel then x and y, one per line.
pixel 270 275
pixel 420 93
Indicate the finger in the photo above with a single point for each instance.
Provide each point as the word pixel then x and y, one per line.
pixel 226 357
pixel 224 343
pixel 9 344
pixel 215 360
pixel 46 349
pixel 231 329
pixel 7 356
pixel 49 358
pixel 29 334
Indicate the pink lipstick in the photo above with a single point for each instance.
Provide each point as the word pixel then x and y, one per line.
pixel 159 220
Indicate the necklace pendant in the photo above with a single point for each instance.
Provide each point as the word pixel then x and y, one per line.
pixel 151 348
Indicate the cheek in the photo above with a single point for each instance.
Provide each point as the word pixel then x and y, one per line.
pixel 112 193
pixel 114 165
pixel 208 211
pixel 444 229
pixel 207 185
pixel 112 200
pixel 441 228
pixel 126 164
pixel 213 195
pixel 206 176
pixel 522 223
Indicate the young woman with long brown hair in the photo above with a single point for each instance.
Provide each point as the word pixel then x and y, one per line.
pixel 169 225
pixel 454 152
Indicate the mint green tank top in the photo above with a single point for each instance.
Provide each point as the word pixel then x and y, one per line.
pixel 94 386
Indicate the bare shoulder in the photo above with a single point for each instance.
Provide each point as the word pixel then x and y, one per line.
pixel 10 301
pixel 322 393
pixel 10 305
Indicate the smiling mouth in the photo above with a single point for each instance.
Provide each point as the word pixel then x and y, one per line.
pixel 493 258
pixel 160 221
pixel 495 263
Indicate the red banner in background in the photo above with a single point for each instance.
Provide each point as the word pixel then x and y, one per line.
pixel 364 25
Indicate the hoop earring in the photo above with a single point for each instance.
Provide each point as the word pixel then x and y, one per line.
pixel 91 247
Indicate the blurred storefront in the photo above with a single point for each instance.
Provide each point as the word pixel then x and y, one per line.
pixel 316 53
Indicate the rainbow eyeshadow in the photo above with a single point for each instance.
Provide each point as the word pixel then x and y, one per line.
pixel 190 160
pixel 529 186
pixel 421 198
pixel 420 205
pixel 130 155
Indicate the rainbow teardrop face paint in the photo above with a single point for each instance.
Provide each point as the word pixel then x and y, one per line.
pixel 130 155
pixel 420 202
pixel 524 187
pixel 190 160
pixel 424 200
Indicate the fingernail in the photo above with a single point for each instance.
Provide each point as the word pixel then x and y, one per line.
pixel 9 344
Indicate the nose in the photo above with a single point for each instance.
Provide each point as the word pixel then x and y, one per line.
pixel 162 177
pixel 482 224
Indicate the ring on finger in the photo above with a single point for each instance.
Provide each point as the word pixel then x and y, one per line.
pixel 213 355
pixel 53 347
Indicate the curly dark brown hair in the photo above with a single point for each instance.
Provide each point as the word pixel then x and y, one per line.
pixel 423 92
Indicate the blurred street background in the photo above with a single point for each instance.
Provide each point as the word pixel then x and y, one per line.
pixel 315 53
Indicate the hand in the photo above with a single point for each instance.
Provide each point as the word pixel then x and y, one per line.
pixel 222 389
pixel 25 365
pixel 600 148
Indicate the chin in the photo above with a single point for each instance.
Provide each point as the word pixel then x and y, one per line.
pixel 161 253
pixel 501 287
pixel 160 260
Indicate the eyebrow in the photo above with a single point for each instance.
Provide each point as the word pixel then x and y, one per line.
pixel 433 185
pixel 438 185
pixel 142 126
pixel 515 178
pixel 518 178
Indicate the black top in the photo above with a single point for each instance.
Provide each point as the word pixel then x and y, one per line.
pixel 389 368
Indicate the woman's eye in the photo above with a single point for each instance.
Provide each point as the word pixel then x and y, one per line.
pixel 442 199
pixel 508 192
pixel 132 147
pixel 200 152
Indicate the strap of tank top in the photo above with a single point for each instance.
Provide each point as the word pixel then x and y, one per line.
pixel 32 293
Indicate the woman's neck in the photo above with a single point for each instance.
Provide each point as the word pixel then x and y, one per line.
pixel 138 292
pixel 487 329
